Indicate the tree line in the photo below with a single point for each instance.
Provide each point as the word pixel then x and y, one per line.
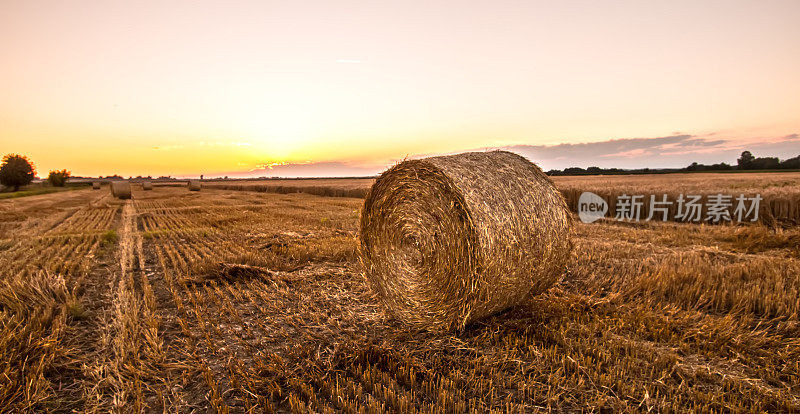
pixel 17 171
pixel 746 162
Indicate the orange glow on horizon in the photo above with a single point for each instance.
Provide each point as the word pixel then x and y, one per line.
pixel 214 88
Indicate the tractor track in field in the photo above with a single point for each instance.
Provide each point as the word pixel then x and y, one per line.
pixel 107 342
pixel 75 382
pixel 141 354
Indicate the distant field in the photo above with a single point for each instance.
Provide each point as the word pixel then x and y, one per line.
pixel 330 187
pixel 347 183
pixel 237 301
pixel 686 182
pixel 780 191
pixel 38 189
pixel 765 183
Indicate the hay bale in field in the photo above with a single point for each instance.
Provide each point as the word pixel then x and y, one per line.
pixel 121 189
pixel 147 185
pixel 446 241
pixel 194 185
pixel 95 185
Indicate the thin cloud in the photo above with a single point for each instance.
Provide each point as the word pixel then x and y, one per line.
pixel 314 169
pixel 223 144
pixel 628 153
pixel 701 142
pixel 168 147
pixel 634 153
pixel 658 152
pixel 202 144
pixel 615 147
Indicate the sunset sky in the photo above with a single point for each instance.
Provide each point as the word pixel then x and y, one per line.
pixel 311 88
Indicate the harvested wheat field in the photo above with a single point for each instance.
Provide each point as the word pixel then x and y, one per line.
pixel 243 301
pixel 780 190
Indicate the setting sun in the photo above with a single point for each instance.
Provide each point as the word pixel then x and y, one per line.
pixel 189 88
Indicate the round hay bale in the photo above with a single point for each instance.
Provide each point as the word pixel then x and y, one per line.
pixel 95 185
pixel 121 189
pixel 194 185
pixel 147 185
pixel 446 241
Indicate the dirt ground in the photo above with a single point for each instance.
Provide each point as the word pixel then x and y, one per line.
pixel 239 301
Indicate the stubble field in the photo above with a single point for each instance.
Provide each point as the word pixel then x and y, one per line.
pixel 240 301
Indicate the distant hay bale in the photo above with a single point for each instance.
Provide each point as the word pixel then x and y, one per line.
pixel 147 185
pixel 446 241
pixel 95 185
pixel 121 189
pixel 194 185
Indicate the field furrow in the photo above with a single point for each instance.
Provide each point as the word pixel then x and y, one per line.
pixel 243 302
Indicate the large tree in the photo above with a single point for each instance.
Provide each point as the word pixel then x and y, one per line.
pixel 745 162
pixel 16 171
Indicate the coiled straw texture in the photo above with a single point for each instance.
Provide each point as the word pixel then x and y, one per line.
pixel 446 241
